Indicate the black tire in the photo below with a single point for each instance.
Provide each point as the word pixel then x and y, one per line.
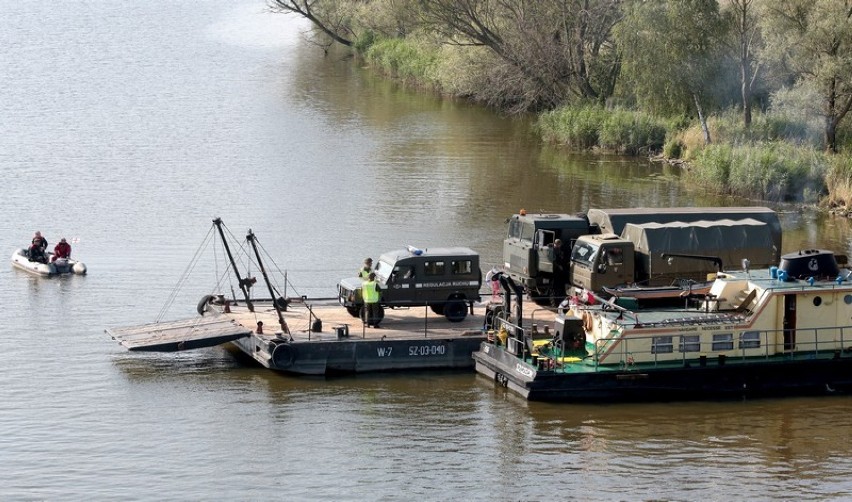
pixel 540 297
pixel 354 311
pixel 437 308
pixel 455 310
pixel 283 355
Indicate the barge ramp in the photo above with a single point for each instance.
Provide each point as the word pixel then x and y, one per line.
pixel 318 338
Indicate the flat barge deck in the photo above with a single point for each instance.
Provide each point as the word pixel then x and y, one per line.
pixel 321 338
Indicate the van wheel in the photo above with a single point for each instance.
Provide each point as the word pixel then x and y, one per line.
pixel 455 310
pixel 437 308
pixel 354 311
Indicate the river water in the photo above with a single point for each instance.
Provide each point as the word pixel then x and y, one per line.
pixel 128 126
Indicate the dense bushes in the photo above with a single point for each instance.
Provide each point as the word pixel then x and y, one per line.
pixel 590 126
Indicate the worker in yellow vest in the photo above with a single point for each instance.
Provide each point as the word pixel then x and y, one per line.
pixel 372 309
pixel 364 271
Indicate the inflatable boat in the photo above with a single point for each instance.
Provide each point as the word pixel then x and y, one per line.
pixel 60 266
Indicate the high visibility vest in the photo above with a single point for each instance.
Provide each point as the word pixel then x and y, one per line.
pixel 364 273
pixel 370 292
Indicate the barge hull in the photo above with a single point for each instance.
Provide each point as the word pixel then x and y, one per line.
pixel 734 380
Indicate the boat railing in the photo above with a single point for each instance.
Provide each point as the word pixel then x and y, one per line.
pixel 833 342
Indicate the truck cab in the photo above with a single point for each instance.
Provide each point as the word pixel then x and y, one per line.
pixel 602 260
pixel 445 279
pixel 528 247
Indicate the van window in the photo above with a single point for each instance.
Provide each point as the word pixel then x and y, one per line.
pixel 434 267
pixel 461 267
pixel 402 273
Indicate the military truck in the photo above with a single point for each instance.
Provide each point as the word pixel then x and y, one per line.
pixel 658 254
pixel 445 279
pixel 528 246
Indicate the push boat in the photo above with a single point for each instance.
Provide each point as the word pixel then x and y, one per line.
pixel 782 331
pixel 49 267
pixel 307 336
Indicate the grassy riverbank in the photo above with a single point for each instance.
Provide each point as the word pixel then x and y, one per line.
pixel 776 159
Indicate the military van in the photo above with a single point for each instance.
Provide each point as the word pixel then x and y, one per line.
pixel 447 280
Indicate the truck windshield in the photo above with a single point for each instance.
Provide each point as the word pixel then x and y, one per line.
pixel 584 253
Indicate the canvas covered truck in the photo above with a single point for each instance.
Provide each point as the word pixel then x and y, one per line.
pixel 652 255
pixel 445 279
pixel 528 246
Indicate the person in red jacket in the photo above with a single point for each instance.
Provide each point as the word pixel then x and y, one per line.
pixel 62 250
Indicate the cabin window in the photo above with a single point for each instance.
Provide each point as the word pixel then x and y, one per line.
pixel 461 267
pixel 750 340
pixel 527 232
pixel 661 345
pixel 723 341
pixel 817 301
pixel 847 299
pixel 583 253
pixel 615 256
pixel 434 267
pixel 690 343
pixel 514 229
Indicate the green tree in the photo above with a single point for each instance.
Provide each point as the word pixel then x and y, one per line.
pixel 812 39
pixel 744 43
pixel 671 55
pixel 551 51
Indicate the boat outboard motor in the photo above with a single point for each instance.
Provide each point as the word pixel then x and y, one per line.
pixel 817 263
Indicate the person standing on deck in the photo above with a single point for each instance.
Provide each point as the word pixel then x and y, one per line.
pixel 365 271
pixel 371 293
pixel 62 250
pixel 560 274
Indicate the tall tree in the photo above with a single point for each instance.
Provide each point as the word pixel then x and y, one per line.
pixel 742 17
pixel 813 40
pixel 553 50
pixel 671 55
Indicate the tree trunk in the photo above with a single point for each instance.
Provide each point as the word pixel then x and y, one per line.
pixel 702 119
pixel 746 92
pixel 831 134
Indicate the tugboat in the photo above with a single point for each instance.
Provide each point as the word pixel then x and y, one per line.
pixel 781 331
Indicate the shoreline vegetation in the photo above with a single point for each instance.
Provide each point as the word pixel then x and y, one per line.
pixel 747 97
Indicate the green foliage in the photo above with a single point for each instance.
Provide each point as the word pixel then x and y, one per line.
pixel 364 41
pixel 775 171
pixel 577 127
pixel 673 149
pixel 632 132
pixel 404 58
pixel 839 178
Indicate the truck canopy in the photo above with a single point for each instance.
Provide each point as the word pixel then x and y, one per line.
pixel 614 220
pixel 730 240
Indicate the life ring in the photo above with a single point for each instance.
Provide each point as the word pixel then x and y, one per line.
pixel 588 321
pixel 202 305
pixel 283 355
